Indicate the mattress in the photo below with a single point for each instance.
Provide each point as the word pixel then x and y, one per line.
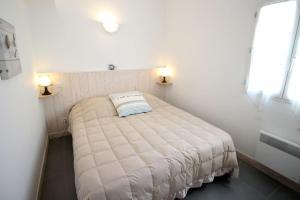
pixel 155 155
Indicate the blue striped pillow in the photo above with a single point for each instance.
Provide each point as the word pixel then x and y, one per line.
pixel 130 103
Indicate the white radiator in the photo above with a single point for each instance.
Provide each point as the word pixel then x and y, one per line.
pixel 281 155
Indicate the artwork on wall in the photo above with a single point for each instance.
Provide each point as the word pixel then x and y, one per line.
pixel 10 64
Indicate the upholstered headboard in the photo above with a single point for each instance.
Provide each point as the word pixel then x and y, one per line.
pixel 73 87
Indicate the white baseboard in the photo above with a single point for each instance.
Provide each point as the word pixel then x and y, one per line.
pixel 42 169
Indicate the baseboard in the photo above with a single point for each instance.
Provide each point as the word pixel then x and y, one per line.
pixel 42 170
pixel 270 172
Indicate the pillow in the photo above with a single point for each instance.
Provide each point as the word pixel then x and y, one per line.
pixel 130 103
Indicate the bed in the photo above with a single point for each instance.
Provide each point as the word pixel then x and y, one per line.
pixel 155 155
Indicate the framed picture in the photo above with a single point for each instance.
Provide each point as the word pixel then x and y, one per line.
pixel 10 64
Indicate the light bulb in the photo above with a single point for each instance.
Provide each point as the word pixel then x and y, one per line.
pixel 44 80
pixel 109 21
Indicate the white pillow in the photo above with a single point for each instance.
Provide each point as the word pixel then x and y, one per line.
pixel 130 103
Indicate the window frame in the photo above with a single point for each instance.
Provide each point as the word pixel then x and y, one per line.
pixel 296 36
pixel 282 97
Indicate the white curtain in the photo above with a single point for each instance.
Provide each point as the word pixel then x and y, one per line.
pixel 271 51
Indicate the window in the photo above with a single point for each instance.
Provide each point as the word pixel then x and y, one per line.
pixel 275 58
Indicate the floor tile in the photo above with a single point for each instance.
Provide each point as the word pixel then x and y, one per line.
pixel 53 190
pixel 284 193
pixel 224 190
pixel 256 179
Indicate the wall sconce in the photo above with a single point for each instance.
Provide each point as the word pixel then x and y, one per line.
pixel 109 22
pixel 44 81
pixel 164 72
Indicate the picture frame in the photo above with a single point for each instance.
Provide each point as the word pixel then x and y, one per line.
pixel 10 64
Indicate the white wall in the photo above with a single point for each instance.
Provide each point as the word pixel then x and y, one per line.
pixel 208 44
pixel 208 48
pixel 68 38
pixel 22 123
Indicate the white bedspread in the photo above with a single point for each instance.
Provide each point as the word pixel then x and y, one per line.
pixel 157 155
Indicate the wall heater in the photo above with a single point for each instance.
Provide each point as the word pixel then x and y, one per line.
pixel 279 154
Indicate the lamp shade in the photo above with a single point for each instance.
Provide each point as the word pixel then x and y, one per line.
pixel 165 71
pixel 44 80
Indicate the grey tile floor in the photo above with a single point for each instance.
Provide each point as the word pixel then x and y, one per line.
pixel 252 184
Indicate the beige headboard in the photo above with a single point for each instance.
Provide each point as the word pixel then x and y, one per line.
pixel 73 87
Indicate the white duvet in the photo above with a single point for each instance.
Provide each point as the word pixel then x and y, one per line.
pixel 156 155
